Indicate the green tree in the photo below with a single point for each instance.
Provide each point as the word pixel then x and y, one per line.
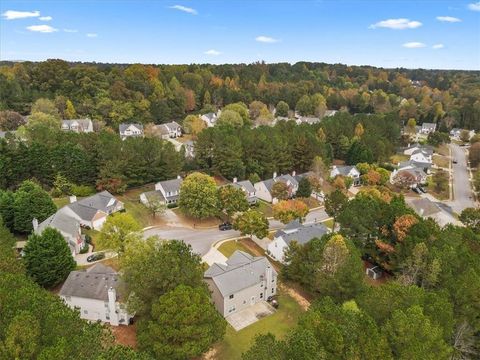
pixel 241 109
pixel 192 124
pixel 412 335
pixel 198 196
pixel 22 336
pixel 10 120
pixel 184 324
pixel 70 112
pixel 231 118
pixel 45 106
pixel 118 231
pixel 231 200
pixel 7 208
pixel 8 255
pixel 48 259
pixel 280 191
pixel 282 109
pixel 265 347
pixel 305 106
pixel 153 267
pixel 251 223
pixel 471 218
pixel 31 202
pixel 289 210
pixel 334 204
pixel 157 207
pixel 304 188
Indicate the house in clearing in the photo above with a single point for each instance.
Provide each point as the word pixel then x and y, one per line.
pixel 244 281
pixel 263 189
pixel 211 118
pixel 428 128
pixel 247 187
pixel 77 125
pixel 347 171
pixel 166 192
pixel 426 208
pixel 294 231
pixel 130 130
pixel 96 294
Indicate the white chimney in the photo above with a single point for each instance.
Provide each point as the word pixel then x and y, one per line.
pixel 35 224
pixel 73 199
pixel 234 180
pixel 294 173
pixel 274 174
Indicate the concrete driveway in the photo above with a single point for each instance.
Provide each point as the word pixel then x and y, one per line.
pixel 243 318
pixel 201 240
pixel 462 190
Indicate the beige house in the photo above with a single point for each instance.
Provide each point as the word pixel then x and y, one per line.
pixel 244 281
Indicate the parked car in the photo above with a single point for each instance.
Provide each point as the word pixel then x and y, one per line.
pixel 225 226
pixel 96 257
pixel 454 161
pixel 422 189
pixel 417 190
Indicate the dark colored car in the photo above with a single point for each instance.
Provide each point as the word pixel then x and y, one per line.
pixel 95 257
pixel 454 161
pixel 422 189
pixel 417 190
pixel 225 226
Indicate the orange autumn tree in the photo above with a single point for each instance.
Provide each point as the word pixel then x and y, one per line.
pixel 288 210
pixel 403 224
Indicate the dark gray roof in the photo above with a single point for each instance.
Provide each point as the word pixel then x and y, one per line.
pixel 211 116
pixel 91 284
pixel 171 185
pixel 302 234
pixel 345 169
pixel 416 164
pixel 124 126
pixel 63 222
pixel 425 207
pixel 82 122
pixel 282 178
pixel 427 125
pixel 155 195
pixel 88 207
pixel 425 151
pixel 172 126
pixel 242 271
pixel 245 185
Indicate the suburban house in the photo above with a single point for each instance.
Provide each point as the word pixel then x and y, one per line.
pixel 167 192
pixel 78 125
pixel 263 189
pixel 174 129
pixel 93 211
pixel 410 175
pixel 189 147
pixel 247 188
pixel 210 119
pixel 308 120
pixel 347 171
pixel 95 294
pixel 428 128
pixel 456 133
pixel 68 226
pixel 422 156
pixel 293 231
pixel 426 208
pixel 415 147
pixel 329 113
pixel 130 130
pixel 244 281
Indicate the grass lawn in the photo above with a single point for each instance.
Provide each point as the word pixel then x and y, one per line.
pixel 94 235
pixel 229 247
pixel 395 159
pixel 265 208
pixel 285 318
pixel 328 223
pixel 443 150
pixel 443 195
pixel 441 161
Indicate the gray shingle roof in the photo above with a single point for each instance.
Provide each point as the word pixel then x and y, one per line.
pixel 91 284
pixel 64 223
pixel 155 195
pixel 124 126
pixel 282 178
pixel 88 207
pixel 425 207
pixel 345 169
pixel 242 271
pixel 171 185
pixel 245 185
pixel 84 123
pixel 303 234
pixel 172 126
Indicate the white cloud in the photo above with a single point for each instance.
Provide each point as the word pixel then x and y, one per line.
pixel 414 45
pixel 266 39
pixel 13 15
pixel 45 18
pixel 474 6
pixel 396 24
pixel 92 35
pixel 70 30
pixel 41 28
pixel 438 46
pixel 212 52
pixel 184 9
pixel 450 19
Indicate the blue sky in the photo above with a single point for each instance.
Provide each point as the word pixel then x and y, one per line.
pixel 428 34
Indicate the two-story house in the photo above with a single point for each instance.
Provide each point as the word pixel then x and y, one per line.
pixel 263 189
pixel 428 128
pixel 347 171
pixel 247 188
pixel 293 231
pixel 77 125
pixel 244 281
pixel 211 118
pixel 173 128
pixel 95 293
pixel 166 192
pixel 130 130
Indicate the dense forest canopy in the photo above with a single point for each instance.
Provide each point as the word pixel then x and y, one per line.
pixel 115 93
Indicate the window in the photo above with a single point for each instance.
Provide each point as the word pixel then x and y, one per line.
pixel 107 316
pixel 261 295
pixel 273 290
pixel 231 296
pixel 231 309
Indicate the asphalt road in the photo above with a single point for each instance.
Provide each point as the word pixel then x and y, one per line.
pixel 202 240
pixel 462 191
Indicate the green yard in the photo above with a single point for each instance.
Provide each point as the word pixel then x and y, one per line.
pixel 441 161
pixel 265 208
pixel 395 159
pixel 229 247
pixel 328 223
pixel 279 324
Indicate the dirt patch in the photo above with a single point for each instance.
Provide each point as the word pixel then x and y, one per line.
pixel 195 223
pixel 304 303
pixel 125 335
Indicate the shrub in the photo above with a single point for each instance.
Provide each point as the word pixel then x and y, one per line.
pixel 172 206
pixel 84 249
pixel 83 190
